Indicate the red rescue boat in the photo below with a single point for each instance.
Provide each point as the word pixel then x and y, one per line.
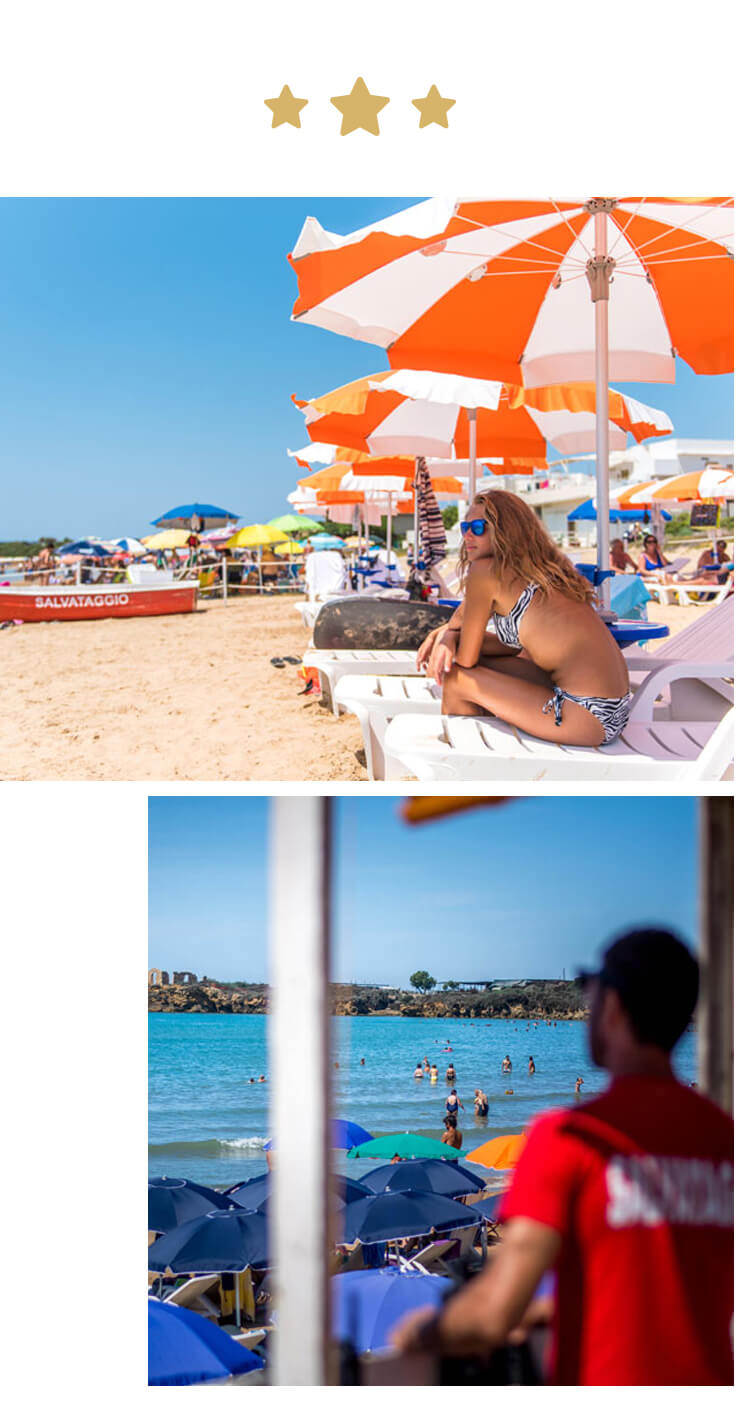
pixel 73 602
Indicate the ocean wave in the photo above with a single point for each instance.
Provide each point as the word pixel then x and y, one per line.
pixel 212 1146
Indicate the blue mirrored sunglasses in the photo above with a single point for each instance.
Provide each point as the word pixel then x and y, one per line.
pixel 477 526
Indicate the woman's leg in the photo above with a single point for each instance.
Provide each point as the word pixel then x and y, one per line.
pixel 478 690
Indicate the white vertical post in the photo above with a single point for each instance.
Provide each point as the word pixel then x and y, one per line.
pixel 471 412
pixel 602 485
pixel 299 1040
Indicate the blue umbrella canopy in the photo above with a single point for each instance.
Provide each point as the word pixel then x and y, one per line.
pixel 89 548
pixel 489 1209
pixel 184 1348
pixel 327 541
pixel 222 1242
pixel 587 510
pixel 424 1174
pixel 395 1215
pixel 180 517
pixel 343 1135
pixel 254 1194
pixel 173 1200
pixel 368 1303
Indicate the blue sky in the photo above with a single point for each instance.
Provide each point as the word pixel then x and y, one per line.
pixel 521 890
pixel 148 359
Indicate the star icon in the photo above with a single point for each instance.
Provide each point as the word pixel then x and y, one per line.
pixel 359 109
pixel 286 108
pixel 433 108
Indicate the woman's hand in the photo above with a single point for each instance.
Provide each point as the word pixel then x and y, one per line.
pixel 426 647
pixel 441 657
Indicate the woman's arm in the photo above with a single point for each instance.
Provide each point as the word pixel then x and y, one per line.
pixel 477 607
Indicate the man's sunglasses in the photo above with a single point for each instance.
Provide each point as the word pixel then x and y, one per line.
pixel 477 526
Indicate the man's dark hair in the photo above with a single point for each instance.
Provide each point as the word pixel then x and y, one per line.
pixel 656 979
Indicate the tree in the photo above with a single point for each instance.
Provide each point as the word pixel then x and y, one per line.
pixel 450 516
pixel 422 981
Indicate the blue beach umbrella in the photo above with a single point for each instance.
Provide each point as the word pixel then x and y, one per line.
pixel 222 1242
pixel 180 517
pixel 173 1201
pixel 343 1135
pixel 440 1177
pixel 88 548
pixel 184 1348
pixel 396 1215
pixel 489 1209
pixel 368 1303
pixel 588 511
pixel 254 1194
pixel 327 541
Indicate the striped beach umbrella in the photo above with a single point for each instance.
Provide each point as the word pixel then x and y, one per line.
pixel 521 291
pixel 708 484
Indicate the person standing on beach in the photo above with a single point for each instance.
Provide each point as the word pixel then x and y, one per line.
pixel 451 1134
pixel 636 1215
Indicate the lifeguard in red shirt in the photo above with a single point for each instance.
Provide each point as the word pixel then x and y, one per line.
pixel 628 1198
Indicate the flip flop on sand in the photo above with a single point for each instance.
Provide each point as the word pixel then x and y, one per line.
pixel 292 661
pixel 277 661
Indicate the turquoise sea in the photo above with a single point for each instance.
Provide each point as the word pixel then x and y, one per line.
pixel 207 1121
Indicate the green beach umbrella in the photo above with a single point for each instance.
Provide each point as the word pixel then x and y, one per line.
pixel 405 1144
pixel 295 524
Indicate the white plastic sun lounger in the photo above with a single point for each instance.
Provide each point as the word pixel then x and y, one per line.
pixel 481 748
pixel 376 700
pixel 332 665
pixel 709 643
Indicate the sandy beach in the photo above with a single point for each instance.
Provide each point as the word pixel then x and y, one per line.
pixel 192 697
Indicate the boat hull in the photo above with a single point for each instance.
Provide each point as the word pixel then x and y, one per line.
pixel 76 603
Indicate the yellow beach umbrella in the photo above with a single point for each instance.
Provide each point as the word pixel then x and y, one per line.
pixel 167 539
pixel 292 550
pixel 256 536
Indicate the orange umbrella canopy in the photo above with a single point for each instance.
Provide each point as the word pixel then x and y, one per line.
pixel 501 1152
pixel 502 289
pixel 391 413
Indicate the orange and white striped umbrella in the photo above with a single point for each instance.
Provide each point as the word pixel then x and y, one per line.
pixel 522 291
pixel 709 484
pixel 430 414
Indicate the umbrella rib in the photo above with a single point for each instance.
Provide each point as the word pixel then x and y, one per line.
pixel 667 229
pixel 571 230
pixel 620 231
pixel 675 249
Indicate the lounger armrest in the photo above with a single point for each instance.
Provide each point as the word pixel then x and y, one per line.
pixel 642 702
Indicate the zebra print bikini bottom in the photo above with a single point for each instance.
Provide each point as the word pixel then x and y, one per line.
pixel 612 713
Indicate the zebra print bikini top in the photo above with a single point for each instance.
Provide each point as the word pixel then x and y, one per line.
pixel 507 627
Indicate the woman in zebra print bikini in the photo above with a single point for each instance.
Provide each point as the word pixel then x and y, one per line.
pixel 551 667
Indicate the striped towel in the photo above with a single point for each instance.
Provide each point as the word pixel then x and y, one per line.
pixel 433 546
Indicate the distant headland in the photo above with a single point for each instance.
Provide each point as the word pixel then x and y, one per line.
pixel 522 999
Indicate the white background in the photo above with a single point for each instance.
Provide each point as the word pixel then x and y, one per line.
pixel 164 98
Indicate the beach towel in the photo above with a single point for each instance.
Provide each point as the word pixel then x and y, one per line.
pixel 433 545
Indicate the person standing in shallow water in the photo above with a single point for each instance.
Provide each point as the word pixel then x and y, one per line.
pixel 507 1066
pixel 451 1134
pixel 578 1086
pixel 531 1065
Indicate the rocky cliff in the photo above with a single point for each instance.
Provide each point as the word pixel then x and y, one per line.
pixel 540 999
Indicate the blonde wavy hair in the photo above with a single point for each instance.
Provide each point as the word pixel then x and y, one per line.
pixel 522 547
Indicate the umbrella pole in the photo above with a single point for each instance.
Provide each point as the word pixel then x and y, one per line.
pixel 301 864
pixel 260 568
pixel 471 412
pixel 715 1018
pixel 599 272
pixel 389 532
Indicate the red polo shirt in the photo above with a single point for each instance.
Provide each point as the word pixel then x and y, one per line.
pixel 638 1183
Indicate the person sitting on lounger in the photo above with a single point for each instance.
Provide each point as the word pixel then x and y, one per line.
pixel 620 560
pixel 652 559
pixel 551 667
pixel 711 563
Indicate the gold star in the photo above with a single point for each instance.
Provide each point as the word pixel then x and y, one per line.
pixel 359 109
pixel 433 108
pixel 286 108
